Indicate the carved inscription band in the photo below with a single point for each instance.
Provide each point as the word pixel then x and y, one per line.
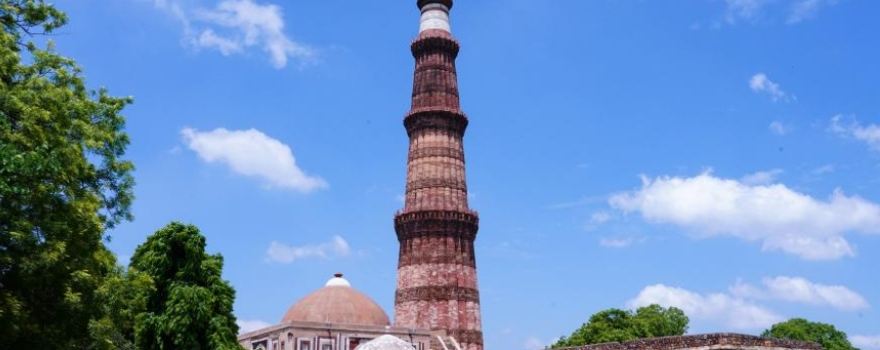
pixel 428 67
pixel 454 184
pixel 437 293
pixel 424 152
pixel 469 216
pixel 408 259
pixel 436 222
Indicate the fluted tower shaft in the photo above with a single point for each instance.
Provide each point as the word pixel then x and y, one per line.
pixel 436 275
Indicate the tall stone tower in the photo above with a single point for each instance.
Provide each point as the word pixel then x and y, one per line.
pixel 436 274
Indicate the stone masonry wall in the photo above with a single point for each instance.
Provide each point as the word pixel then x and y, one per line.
pixel 715 341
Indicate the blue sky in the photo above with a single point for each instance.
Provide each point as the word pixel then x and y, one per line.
pixel 720 156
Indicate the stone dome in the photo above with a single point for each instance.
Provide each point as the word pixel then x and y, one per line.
pixel 337 303
pixel 385 342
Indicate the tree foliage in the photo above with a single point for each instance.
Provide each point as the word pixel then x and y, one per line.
pixel 188 305
pixel 800 329
pixel 123 296
pixel 62 183
pixel 615 325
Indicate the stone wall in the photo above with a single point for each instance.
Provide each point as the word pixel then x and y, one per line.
pixel 715 341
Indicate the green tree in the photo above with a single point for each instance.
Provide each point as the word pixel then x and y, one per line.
pixel 62 184
pixel 800 329
pixel 188 305
pixel 123 296
pixel 615 325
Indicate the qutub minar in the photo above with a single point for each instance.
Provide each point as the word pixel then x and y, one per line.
pixel 437 302
pixel 436 274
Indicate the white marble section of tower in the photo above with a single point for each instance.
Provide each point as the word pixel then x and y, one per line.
pixel 435 16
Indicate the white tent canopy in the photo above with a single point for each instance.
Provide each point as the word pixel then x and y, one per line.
pixel 386 342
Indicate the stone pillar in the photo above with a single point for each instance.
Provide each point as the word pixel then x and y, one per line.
pixel 436 276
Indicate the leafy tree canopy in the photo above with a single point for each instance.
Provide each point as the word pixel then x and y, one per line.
pixel 615 325
pixel 800 329
pixel 62 183
pixel 188 305
pixel 123 296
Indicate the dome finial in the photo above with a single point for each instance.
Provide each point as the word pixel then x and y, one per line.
pixel 337 281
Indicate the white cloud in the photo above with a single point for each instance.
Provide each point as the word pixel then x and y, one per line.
pixel 822 170
pixel 869 134
pixel 779 128
pixel 252 24
pixel 245 326
pixel 620 242
pixel 740 308
pixel 286 254
pixel 807 9
pixel 252 153
pixel 234 25
pixel 803 291
pixel 794 289
pixel 760 83
pixel 226 46
pixel 174 8
pixel 600 217
pixel 744 9
pixel 795 11
pixel 775 215
pixel 762 177
pixel 745 290
pixel 866 342
pixel 731 311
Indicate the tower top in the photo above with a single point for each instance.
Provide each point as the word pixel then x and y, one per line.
pixel 423 3
pixel 435 15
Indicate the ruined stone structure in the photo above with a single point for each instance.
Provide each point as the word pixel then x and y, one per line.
pixel 436 275
pixel 715 341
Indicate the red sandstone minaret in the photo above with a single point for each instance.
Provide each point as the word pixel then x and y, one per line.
pixel 436 274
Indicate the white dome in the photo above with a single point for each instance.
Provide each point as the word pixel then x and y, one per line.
pixel 385 342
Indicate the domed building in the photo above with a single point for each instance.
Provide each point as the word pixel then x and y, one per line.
pixel 337 303
pixel 334 317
